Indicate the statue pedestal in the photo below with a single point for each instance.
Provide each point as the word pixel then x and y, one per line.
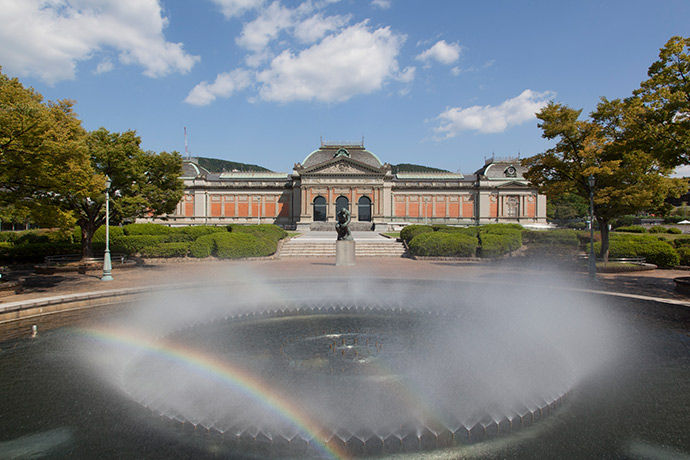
pixel 344 252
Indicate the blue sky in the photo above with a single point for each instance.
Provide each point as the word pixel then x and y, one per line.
pixel 441 83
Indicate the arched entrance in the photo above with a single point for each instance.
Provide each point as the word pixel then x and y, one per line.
pixel 319 209
pixel 340 203
pixel 364 209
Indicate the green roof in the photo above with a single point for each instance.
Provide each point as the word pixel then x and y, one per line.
pixel 418 175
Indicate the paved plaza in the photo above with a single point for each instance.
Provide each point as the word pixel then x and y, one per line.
pixel 656 284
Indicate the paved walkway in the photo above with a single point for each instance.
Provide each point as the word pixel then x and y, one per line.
pixel 656 283
pixel 330 237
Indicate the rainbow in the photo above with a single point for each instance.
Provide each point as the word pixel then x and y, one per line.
pixel 250 385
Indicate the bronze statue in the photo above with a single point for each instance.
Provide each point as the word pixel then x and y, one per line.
pixel 342 226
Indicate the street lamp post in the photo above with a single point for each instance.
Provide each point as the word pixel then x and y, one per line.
pixel 592 259
pixel 107 265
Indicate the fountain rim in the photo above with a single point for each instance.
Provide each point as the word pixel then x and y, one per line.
pixel 17 317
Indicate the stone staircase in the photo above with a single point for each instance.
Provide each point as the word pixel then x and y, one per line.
pixel 295 248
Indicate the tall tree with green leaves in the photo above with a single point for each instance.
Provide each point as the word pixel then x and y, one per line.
pixel 142 183
pixel 627 180
pixel 661 106
pixel 43 155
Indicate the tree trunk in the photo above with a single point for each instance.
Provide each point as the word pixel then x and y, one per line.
pixel 87 231
pixel 604 229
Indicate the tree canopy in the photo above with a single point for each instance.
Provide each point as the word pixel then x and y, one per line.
pixel 52 170
pixel 630 146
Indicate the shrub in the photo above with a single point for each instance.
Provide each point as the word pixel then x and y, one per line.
pixel 551 237
pixel 32 237
pixel 660 254
pixel 147 229
pixel 675 231
pixel 270 231
pixel 684 255
pixel 36 252
pixel 241 245
pixel 410 231
pixel 632 229
pixel 623 221
pixel 496 245
pixel 443 244
pixel 8 236
pixel 99 235
pixel 658 229
pixel 470 231
pixel 202 247
pixel 654 251
pixel 680 242
pixel 132 244
pixel 229 245
pixel 179 249
pixel 576 225
pixel 194 232
pixel 500 228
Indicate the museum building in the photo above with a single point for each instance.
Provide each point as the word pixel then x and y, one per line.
pixel 339 176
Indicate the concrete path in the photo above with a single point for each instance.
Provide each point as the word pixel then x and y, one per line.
pixel 328 237
pixel 656 284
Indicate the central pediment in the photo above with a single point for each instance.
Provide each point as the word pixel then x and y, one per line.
pixel 342 165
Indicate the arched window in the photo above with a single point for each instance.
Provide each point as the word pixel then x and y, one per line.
pixel 512 206
pixel 320 209
pixel 340 203
pixel 364 209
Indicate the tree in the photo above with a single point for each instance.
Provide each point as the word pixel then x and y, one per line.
pixel 627 180
pixel 143 183
pixel 43 154
pixel 660 108
pixel 567 207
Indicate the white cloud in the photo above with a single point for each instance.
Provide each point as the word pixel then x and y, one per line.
pixel 224 86
pixel 383 4
pixel 257 34
pixel 48 38
pixel 317 26
pixel 442 52
pixel 232 8
pixel 104 67
pixel 355 61
pixel 492 119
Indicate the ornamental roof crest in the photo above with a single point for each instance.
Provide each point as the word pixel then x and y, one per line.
pixel 342 152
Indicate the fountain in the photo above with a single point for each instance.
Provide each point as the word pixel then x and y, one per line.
pixel 334 369
pixel 380 369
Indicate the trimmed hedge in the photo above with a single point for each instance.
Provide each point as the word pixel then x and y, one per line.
pixel 470 231
pixel 496 240
pixel 270 231
pixel 228 245
pixel 551 237
pixel 443 244
pixel 661 229
pixel 410 231
pixel 99 235
pixel 241 245
pixel 684 255
pixel 496 245
pixel 194 232
pixel 203 246
pixel 655 252
pixel 36 252
pixel 681 242
pixel 147 229
pixel 632 229
pixel 178 249
pixel 132 244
